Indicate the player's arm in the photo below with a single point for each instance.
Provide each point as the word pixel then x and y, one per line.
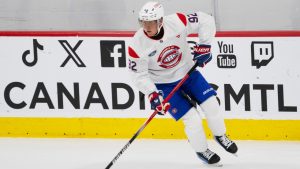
pixel 139 73
pixel 204 25
pixel 138 67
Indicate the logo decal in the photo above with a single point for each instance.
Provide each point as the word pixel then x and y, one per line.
pixel 226 58
pixel 169 57
pixel 262 52
pixel 174 111
pixel 152 53
pixel 112 53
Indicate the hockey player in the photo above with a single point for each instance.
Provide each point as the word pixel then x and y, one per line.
pixel 159 57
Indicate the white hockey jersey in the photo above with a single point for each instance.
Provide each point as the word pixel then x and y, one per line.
pixel 168 59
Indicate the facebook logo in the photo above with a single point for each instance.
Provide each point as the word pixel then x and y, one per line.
pixel 261 53
pixel 112 53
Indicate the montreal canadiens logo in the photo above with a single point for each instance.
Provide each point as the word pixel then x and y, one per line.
pixel 169 57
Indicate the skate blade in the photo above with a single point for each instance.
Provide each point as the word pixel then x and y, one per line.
pixel 218 164
pixel 235 154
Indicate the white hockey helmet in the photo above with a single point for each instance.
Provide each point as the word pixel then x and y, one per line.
pixel 151 11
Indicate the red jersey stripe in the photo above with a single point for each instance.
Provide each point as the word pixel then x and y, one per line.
pixel 132 53
pixel 182 17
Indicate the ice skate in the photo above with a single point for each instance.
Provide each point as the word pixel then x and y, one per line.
pixel 227 144
pixel 210 158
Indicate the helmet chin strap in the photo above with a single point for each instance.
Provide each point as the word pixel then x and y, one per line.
pixel 159 26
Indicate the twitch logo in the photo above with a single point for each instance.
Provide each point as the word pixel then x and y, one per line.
pixel 262 52
pixel 112 53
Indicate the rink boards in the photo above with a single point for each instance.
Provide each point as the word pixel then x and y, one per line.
pixel 76 84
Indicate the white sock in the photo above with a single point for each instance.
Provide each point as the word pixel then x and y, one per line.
pixel 194 130
pixel 213 116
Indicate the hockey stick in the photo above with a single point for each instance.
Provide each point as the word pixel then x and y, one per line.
pixel 152 116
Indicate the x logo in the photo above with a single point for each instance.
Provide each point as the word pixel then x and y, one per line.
pixel 72 53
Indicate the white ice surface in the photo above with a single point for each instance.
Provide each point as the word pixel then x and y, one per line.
pixel 142 154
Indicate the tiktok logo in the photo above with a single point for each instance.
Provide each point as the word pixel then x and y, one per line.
pixel 113 53
pixel 33 60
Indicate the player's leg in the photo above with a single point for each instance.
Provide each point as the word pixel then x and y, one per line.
pixel 216 123
pixel 181 108
pixel 204 94
pixel 214 118
pixel 196 136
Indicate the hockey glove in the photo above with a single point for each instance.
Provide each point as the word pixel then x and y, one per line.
pixel 202 54
pixel 156 101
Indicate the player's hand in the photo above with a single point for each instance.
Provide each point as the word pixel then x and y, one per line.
pixel 156 101
pixel 202 54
